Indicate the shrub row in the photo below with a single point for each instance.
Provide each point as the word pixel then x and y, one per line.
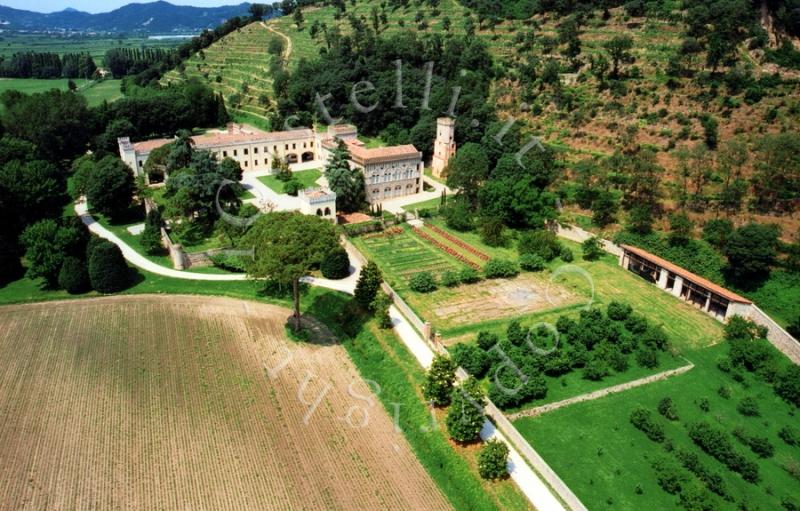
pixel 716 444
pixel 643 420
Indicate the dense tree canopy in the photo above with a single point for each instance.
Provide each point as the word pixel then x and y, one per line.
pixel 348 183
pixel 287 246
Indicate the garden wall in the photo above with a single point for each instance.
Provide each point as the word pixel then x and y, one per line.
pixel 779 337
pixel 578 235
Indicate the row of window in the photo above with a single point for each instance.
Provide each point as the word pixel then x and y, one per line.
pixel 266 149
pixel 392 177
pixel 388 189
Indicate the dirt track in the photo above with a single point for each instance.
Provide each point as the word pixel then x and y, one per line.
pixel 164 403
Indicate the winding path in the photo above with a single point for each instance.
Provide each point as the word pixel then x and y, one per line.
pixel 287 52
pixel 526 479
pixel 137 259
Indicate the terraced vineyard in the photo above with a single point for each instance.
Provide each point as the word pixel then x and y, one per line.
pixel 237 66
pixel 190 403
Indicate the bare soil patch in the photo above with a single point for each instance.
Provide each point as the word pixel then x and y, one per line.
pixel 501 298
pixel 166 403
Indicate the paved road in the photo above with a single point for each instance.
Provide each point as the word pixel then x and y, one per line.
pixel 346 285
pixel 137 259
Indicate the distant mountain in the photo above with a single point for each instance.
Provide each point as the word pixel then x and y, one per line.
pixel 156 17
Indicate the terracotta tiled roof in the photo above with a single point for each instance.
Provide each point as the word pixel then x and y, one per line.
pixel 686 274
pixel 150 145
pixel 364 156
pixel 216 139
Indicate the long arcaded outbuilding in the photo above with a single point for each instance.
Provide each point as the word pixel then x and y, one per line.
pixel 704 294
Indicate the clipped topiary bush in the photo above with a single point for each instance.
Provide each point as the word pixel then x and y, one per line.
pixel 73 276
pixel 469 276
pixel 487 340
pixel 473 359
pixel 336 265
pixel 451 279
pixel 423 282
pixel 108 272
pixel 500 269
pixel 531 262
pixel 493 460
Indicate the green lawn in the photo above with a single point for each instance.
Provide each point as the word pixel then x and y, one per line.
pixel 96 46
pixel 426 204
pixel 94 92
pixel 602 457
pixel 308 178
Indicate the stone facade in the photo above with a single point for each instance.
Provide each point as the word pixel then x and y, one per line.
pixel 389 172
pixel 319 202
pixel 444 147
pixel 253 149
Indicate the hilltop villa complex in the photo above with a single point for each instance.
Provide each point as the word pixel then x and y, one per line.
pixel 389 172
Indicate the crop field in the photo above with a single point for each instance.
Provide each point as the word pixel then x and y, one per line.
pixel 95 46
pixel 238 64
pixel 403 254
pixel 188 402
pixel 94 92
pixel 607 462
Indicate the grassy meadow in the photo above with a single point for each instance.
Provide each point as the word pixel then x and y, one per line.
pixel 94 92
pixel 607 462
pixel 96 46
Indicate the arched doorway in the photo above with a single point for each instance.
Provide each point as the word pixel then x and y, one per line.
pixel 307 156
pixel 291 158
pixel 319 212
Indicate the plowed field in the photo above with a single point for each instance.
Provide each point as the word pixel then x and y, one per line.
pixel 192 403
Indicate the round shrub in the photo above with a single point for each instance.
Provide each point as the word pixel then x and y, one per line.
pixel 292 187
pixel 468 276
pixel 500 269
pixel 618 311
pixel 667 409
pixel 486 340
pixel 541 242
pixel 108 272
pixel 73 276
pixel 451 279
pixel 473 359
pixel 566 255
pixel 423 282
pixel 647 358
pixel 748 407
pixel 493 460
pixel 336 265
pixel 531 262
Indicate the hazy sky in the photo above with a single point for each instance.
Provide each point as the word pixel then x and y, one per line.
pixel 101 5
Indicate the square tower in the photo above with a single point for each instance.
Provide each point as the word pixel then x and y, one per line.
pixel 445 145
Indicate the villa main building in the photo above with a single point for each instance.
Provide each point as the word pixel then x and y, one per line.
pixel 389 172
